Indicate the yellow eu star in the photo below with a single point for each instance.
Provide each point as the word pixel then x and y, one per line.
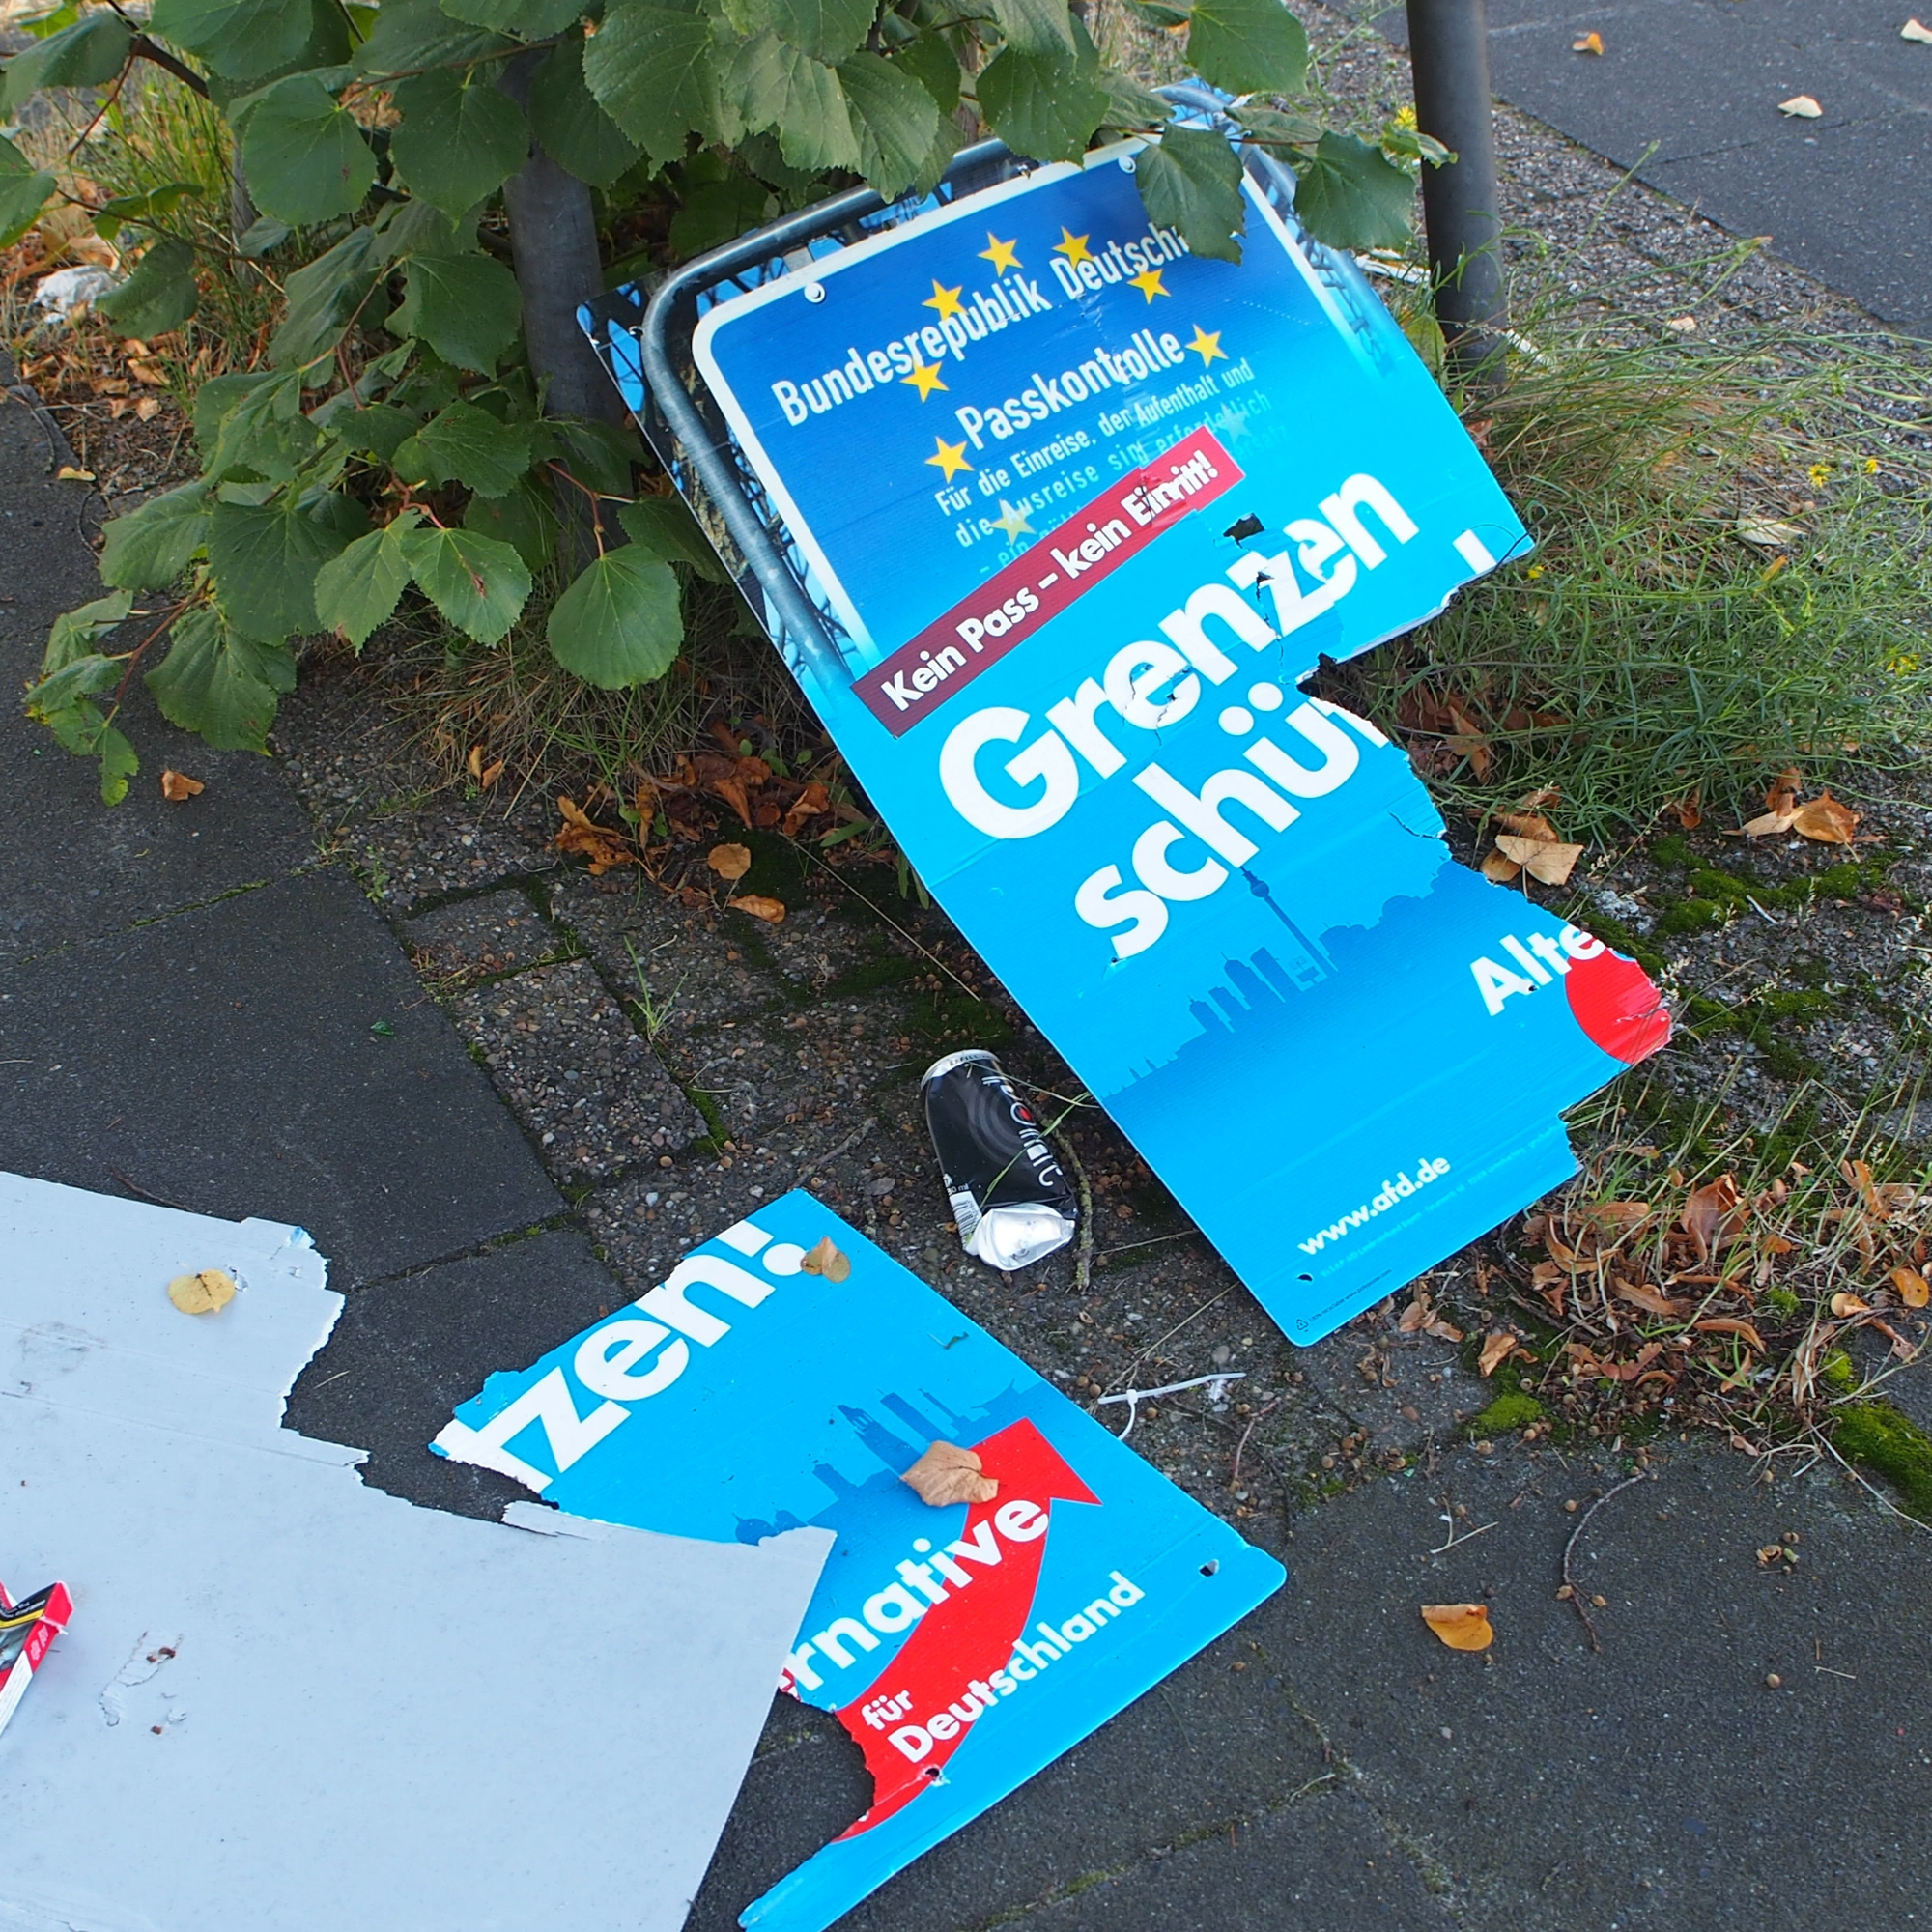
pixel 1208 346
pixel 943 301
pixel 925 377
pixel 1073 247
pixel 1015 522
pixel 1001 253
pixel 949 458
pixel 1150 283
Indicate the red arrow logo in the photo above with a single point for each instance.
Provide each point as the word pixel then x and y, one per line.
pixel 938 1686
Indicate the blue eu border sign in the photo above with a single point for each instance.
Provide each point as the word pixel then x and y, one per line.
pixel 1083 510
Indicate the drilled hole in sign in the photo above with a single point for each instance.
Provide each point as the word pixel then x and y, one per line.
pixel 1210 1567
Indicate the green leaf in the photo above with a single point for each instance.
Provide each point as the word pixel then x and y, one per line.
pixel 24 190
pixel 121 208
pixel 218 683
pixel 265 560
pixel 239 40
pixel 1129 105
pixel 1249 46
pixel 80 728
pixel 357 592
pixel 665 528
pixel 76 633
pixel 414 34
pixel 618 624
pixel 468 446
pixel 774 85
pixel 828 30
pixel 528 19
pixel 1351 195
pixel 1035 26
pixel 1041 106
pixel 252 426
pixel 523 519
pixel 119 762
pixel 83 677
pixel 479 584
pixel 150 547
pixel 569 125
pixel 306 157
pixel 466 308
pixel 896 119
pixel 654 71
pixel 323 298
pixel 462 137
pixel 934 66
pixel 1191 180
pixel 376 429
pixel 1275 130
pixel 717 211
pixel 599 454
pixel 160 294
pixel 88 54
pixel 262 237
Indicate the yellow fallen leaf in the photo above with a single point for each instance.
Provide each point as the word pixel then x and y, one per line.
pixel 771 911
pixel 490 774
pixel 147 408
pixel 1500 870
pixel 178 786
pixel 1825 819
pixel 1499 1345
pixel 827 1260
pixel 1731 1324
pixel 729 862
pixel 205 1293
pixel 1548 860
pixel 948 1474
pixel 1801 108
pixel 1843 1304
pixel 1590 43
pixel 1912 1286
pixel 1640 1294
pixel 1460 1626
pixel 1684 324
pixel 1916 30
pixel 1769 825
pixel 67 473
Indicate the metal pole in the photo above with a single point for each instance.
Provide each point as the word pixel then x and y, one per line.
pixel 1448 51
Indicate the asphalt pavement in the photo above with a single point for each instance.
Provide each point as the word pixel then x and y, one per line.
pixel 1687 93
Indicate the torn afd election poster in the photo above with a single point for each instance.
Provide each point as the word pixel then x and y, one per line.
pixel 964 1647
pixel 1080 510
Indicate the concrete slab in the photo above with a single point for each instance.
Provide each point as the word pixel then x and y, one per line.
pixel 77 868
pixel 227 1059
pixel 1685 93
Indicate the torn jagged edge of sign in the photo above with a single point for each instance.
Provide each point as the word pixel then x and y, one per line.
pixel 962 1647
pixel 324 1663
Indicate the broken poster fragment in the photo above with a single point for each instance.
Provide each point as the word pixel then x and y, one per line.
pixel 27 1631
pixel 1059 517
pixel 964 1645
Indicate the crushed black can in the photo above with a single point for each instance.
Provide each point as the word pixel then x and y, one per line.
pixel 1009 1198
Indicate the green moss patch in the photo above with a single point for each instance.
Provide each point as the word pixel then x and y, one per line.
pixel 1511 1412
pixel 1876 1436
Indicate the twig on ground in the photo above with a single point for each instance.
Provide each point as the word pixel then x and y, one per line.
pixel 148 1193
pixel 1577 1599
pixel 1083 1262
pixel 812 1169
pixel 1241 1447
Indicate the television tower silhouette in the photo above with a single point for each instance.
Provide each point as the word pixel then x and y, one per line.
pixel 1315 952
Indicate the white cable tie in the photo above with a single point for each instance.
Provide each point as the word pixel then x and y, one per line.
pixel 1133 1397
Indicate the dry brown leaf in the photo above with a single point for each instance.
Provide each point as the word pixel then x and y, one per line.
pixel 948 1474
pixel 1548 860
pixel 602 846
pixel 147 408
pixel 1460 1626
pixel 1497 1348
pixel 729 862
pixel 1527 824
pixel 1640 1294
pixel 490 774
pixel 1732 1324
pixel 771 911
pixel 827 1260
pixel 67 473
pixel 1498 870
pixel 1415 1316
pixel 1589 44
pixel 1782 793
pixel 177 786
pixel 1767 533
pixel 1689 810
pixel 1713 1214
pixel 732 791
pixel 1913 1288
pixel 1916 30
pixel 1801 108
pixel 205 1293
pixel 1825 820
pixel 811 803
pixel 1469 739
pixel 1768 825
pixel 1618 1216
pixel 1844 1304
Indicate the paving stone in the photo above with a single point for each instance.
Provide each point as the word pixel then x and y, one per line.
pixel 481 939
pixel 408 1350
pixel 226 1060
pixel 423 850
pixel 77 869
pixel 575 1072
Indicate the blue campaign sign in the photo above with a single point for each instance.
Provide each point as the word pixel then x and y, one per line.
pixel 963 1645
pixel 1082 510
